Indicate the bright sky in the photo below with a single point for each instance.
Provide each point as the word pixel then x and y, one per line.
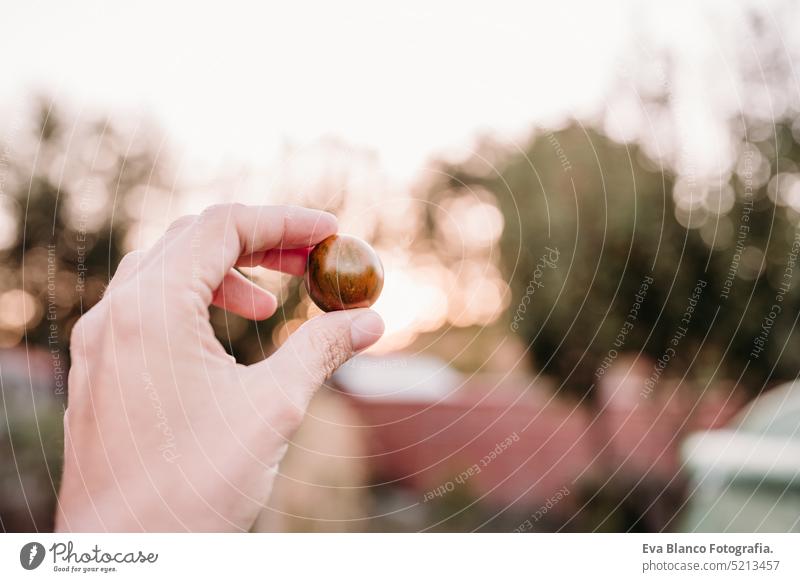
pixel 406 79
pixel 231 83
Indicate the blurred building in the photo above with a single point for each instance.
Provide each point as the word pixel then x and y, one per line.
pixel 746 478
pixel 506 444
pixel 406 443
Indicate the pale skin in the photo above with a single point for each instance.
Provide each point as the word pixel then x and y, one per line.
pixel 164 431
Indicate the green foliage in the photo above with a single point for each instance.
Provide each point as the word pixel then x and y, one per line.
pixel 611 215
pixel 70 200
pixel 75 203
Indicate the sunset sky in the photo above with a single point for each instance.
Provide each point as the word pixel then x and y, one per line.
pixel 408 82
pixel 232 88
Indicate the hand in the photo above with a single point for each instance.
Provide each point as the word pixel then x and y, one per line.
pixel 164 430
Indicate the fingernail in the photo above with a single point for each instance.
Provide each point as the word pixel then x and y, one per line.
pixel 365 330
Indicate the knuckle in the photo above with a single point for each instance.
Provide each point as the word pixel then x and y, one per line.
pixel 289 418
pixel 213 210
pixel 217 220
pixel 180 223
pixel 87 329
pixel 286 211
pixel 123 312
pixel 285 403
pixel 77 333
pixel 333 349
pixel 131 258
pixel 221 213
pixel 128 263
pixel 214 215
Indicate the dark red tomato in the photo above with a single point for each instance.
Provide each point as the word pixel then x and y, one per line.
pixel 343 272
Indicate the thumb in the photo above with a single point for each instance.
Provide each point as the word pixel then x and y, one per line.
pixel 322 344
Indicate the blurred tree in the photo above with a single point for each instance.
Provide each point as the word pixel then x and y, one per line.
pixel 76 191
pixel 614 220
pixel 68 190
pixel 72 188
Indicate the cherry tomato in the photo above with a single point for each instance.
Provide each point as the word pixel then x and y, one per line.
pixel 343 272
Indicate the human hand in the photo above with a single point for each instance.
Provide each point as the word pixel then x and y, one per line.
pixel 164 430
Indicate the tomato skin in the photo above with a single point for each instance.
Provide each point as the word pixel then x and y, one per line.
pixel 343 272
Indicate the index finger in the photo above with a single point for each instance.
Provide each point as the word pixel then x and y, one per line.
pixel 223 233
